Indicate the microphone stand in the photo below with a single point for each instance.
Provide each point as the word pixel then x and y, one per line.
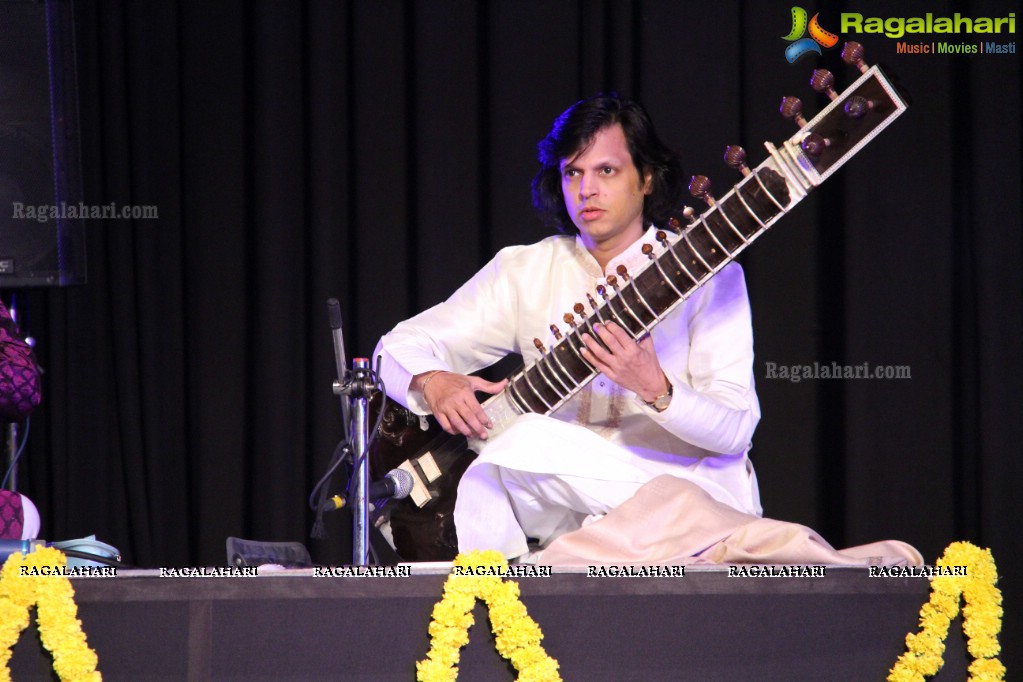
pixel 358 392
pixel 355 389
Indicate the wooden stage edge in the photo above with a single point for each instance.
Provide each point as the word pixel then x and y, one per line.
pixel 703 625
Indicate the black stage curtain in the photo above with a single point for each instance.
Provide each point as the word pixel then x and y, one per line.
pixel 381 151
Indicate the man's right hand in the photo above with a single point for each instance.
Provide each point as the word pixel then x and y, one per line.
pixel 452 399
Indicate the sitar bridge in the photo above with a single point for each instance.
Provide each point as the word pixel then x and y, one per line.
pixel 424 471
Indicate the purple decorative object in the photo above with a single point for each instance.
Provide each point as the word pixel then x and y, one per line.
pixel 12 516
pixel 19 377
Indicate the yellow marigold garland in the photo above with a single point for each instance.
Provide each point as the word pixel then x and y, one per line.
pixel 57 614
pixel 517 635
pixel 982 618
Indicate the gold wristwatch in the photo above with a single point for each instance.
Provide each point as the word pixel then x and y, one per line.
pixel 661 402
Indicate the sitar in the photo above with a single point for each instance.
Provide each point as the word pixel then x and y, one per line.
pixel 687 255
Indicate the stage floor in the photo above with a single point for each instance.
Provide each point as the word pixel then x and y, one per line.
pixel 293 625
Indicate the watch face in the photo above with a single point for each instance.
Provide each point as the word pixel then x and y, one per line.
pixel 662 401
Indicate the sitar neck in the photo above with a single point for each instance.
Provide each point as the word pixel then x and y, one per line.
pixel 679 263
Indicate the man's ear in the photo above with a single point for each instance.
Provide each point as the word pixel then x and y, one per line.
pixel 648 182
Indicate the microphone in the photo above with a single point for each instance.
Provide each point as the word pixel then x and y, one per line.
pixel 396 485
pixel 334 315
pixel 343 375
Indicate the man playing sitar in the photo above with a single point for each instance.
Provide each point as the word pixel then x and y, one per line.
pixel 673 391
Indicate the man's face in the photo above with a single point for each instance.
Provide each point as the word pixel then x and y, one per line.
pixel 604 193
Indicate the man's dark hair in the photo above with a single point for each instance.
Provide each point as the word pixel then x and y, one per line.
pixel 575 129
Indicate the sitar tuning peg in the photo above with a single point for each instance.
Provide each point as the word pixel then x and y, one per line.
pixel 689 214
pixel 792 109
pixel 852 54
pixel 539 346
pixel 815 144
pixel 823 80
pixel 556 332
pixel 735 157
pixel 856 106
pixel 699 187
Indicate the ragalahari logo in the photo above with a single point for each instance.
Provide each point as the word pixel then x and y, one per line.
pixel 800 46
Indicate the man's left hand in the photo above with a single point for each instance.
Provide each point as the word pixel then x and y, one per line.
pixel 630 364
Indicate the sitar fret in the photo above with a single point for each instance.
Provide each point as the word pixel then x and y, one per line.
pixel 706 222
pixel 551 373
pixel 625 302
pixel 666 278
pixel 638 291
pixel 696 262
pixel 533 389
pixel 554 356
pixel 513 393
pixel 682 268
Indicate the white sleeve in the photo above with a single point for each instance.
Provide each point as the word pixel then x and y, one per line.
pixel 714 403
pixel 471 330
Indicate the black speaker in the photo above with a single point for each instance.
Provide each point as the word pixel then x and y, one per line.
pixel 42 235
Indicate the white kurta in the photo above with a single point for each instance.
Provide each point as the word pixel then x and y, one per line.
pixel 604 443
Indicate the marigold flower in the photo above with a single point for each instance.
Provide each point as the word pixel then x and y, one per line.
pixel 982 618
